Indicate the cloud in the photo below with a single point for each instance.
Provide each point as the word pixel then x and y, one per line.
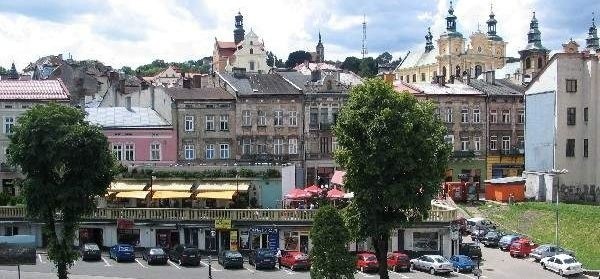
pixel 340 23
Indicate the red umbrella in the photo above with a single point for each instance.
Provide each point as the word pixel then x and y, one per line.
pixel 297 194
pixel 335 194
pixel 313 189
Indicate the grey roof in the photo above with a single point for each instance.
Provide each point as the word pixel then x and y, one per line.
pixel 203 93
pixel 120 117
pixel 254 84
pixel 419 58
pixel 297 78
pixel 500 88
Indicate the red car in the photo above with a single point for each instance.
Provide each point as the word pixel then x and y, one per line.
pixel 398 261
pixel 366 261
pixel 521 248
pixel 295 260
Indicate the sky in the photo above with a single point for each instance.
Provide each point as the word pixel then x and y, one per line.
pixel 136 32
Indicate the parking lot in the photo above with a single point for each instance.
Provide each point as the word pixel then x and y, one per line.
pixel 496 264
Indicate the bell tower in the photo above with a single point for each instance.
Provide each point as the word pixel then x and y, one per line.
pixel 320 51
pixel 535 56
pixel 238 32
pixel 591 42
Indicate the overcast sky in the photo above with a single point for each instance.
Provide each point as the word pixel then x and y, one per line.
pixel 135 32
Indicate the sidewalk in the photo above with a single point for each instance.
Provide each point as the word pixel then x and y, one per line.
pixel 6 274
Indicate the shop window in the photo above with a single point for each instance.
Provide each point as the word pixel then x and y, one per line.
pixel 210 241
pixel 291 241
pixel 128 236
pixel 425 241
pixel 10 231
pixel 190 236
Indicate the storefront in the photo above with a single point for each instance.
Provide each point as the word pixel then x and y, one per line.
pixel 421 241
pixel 226 238
pixel 126 233
pixel 260 237
pixel 91 235
pixel 296 241
pixel 167 238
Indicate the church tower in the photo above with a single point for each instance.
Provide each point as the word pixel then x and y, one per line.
pixel 12 73
pixel 428 40
pixel 238 32
pixel 320 51
pixel 450 46
pixel 491 23
pixel 591 42
pixel 535 56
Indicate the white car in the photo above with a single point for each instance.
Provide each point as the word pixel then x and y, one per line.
pixel 432 263
pixel 563 264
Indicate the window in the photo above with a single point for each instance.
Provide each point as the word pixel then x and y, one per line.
pixel 476 116
pixel 448 115
pixel 585 114
pixel 585 148
pixel 571 115
pixel 493 116
pixel 251 51
pixel 334 114
pixel 505 143
pixel 262 118
pixel 278 146
pixel 527 63
pixel 118 151
pixel 334 144
pixel 246 118
pixel 464 115
pixel 210 122
pixel 9 123
pixel 262 148
pixel 506 116
pixel 224 151
pixel 293 146
pixel 570 148
pixel 251 65
pixel 325 146
pixel 464 144
pixel 521 116
pixel 210 151
pixel 449 139
pixel 521 142
pixel 414 77
pixel 129 152
pixel 278 119
pixel 10 231
pixel 293 118
pixel 246 146
pixel 407 78
pixel 422 76
pixel 224 121
pixel 493 143
pixel 190 152
pixel 571 85
pixel 189 123
pixel 324 116
pixel 155 152
pixel 477 143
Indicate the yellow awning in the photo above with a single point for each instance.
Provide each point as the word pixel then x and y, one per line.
pixel 171 195
pixel 228 186
pixel 132 194
pixel 126 185
pixel 176 185
pixel 219 195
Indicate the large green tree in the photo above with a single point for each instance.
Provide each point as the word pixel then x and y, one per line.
pixel 297 57
pixel 368 67
pixel 67 163
pixel 351 63
pixel 329 256
pixel 393 150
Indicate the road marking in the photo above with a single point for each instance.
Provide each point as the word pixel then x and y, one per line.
pixel 173 264
pixel 364 274
pixel 40 257
pixel 212 266
pixel 140 263
pixel 249 269
pixel 401 275
pixel 106 263
pixel 470 277
pixel 289 272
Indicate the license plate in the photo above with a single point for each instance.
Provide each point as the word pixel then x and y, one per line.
pixel 192 256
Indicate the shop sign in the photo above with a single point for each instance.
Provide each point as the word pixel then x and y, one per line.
pixel 233 241
pixel 273 240
pixel 223 224
pixel 259 230
pixel 124 223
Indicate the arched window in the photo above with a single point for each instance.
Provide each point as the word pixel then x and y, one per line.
pixel 540 62
pixel 251 51
pixel 478 70
pixel 251 43
pixel 527 63
pixel 457 71
pixel 414 77
pixel 444 71
pixel 407 78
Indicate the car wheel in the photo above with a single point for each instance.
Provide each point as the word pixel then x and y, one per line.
pixel 395 268
pixel 292 267
pixel 411 267
pixel 543 266
pixel 362 269
pixel 432 271
pixel 560 272
pixel 179 262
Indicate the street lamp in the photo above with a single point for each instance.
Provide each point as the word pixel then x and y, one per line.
pixel 557 173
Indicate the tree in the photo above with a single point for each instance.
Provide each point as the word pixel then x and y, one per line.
pixel 384 58
pixel 329 256
pixel 368 67
pixel 351 64
pixel 3 71
pixel 127 70
pixel 67 164
pixel 297 57
pixel 272 60
pixel 393 150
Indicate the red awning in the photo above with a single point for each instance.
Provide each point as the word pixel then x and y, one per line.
pixel 338 178
pixel 313 189
pixel 297 194
pixel 335 194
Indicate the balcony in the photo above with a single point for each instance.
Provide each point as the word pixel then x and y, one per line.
pixel 463 154
pixel 436 214
pixel 325 126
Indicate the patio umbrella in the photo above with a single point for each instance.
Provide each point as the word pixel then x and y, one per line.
pixel 297 194
pixel 335 194
pixel 313 189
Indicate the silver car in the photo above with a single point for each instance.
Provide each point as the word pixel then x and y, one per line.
pixel 548 250
pixel 432 263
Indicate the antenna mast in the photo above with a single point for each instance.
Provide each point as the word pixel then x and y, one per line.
pixel 364 37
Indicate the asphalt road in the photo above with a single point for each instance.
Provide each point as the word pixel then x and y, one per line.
pixel 497 265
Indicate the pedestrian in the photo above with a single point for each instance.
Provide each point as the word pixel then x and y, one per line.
pixel 278 256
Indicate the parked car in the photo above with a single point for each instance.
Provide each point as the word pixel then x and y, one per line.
pixel 295 260
pixel 432 263
pixel 491 238
pixel 505 242
pixel 122 252
pixel 155 255
pixel 474 223
pixel 398 261
pixel 563 264
pixel 262 258
pixel 185 255
pixel 470 250
pixel 228 258
pixel 548 250
pixel 90 251
pixel 367 261
pixel 479 233
pixel 521 248
pixel 461 223
pixel 462 263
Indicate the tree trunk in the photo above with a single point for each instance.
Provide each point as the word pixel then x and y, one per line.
pixel 381 247
pixel 62 270
pixel 56 248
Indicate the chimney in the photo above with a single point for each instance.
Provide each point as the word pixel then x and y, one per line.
pixel 187 83
pixel 490 77
pixel 197 81
pixel 315 75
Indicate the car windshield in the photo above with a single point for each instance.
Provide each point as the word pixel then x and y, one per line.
pixel 157 251
pixel 370 258
pixel 231 254
pixel 569 261
pixel 440 260
pixel 189 251
pixel 125 248
pixel 266 253
pixel 91 246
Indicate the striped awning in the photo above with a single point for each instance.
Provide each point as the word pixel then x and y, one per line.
pixel 171 195
pixel 126 185
pixel 219 195
pixel 174 185
pixel 132 194
pixel 228 186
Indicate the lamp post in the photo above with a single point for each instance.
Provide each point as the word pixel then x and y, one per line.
pixel 557 173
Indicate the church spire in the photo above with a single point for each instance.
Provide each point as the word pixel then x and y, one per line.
pixel 491 23
pixel 451 23
pixel 12 73
pixel 534 36
pixel 592 42
pixel 428 41
pixel 238 32
pixel 320 51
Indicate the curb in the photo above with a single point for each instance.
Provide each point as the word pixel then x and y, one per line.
pixel 591 272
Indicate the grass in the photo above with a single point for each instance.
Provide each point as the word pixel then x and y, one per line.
pixel 579 226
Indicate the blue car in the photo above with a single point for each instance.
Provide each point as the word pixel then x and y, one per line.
pixel 122 252
pixel 462 263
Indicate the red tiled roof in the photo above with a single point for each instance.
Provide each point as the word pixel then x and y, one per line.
pixel 226 44
pixel 33 90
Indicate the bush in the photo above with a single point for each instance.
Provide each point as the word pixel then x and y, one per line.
pixel 329 256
